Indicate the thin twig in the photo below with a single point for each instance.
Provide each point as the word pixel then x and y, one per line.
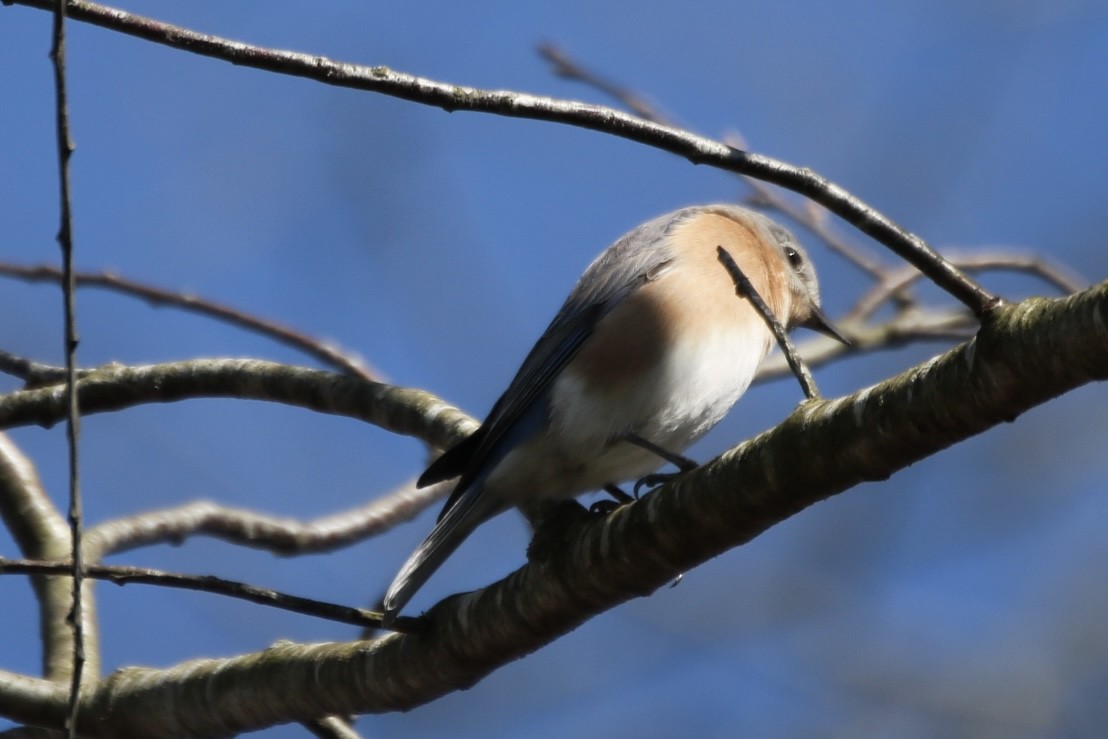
pixel 321 350
pixel 454 97
pixel 72 425
pixel 744 289
pixel 994 260
pixel 121 575
pixel 910 326
pixel 567 68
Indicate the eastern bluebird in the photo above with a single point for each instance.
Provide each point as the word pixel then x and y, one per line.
pixel 652 344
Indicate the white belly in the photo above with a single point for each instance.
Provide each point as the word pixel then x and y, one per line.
pixel 672 405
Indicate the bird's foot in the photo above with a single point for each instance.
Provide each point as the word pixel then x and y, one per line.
pixel 551 520
pixel 653 480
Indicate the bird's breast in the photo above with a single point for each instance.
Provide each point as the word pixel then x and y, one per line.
pixel 671 402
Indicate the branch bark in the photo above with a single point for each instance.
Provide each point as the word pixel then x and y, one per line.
pixel 1024 355
pixel 113 387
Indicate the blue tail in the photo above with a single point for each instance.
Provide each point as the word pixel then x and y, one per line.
pixel 472 508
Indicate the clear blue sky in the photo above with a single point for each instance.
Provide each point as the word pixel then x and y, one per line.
pixel 965 596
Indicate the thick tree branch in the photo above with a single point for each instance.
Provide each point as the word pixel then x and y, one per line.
pixel 1024 355
pixel 452 97
pixel 32 700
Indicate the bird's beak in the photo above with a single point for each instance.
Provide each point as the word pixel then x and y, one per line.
pixel 818 321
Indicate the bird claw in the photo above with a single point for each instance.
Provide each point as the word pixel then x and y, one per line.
pixel 653 480
pixel 604 507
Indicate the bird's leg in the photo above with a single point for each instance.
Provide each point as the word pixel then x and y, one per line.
pixel 617 494
pixel 679 461
pixel 682 463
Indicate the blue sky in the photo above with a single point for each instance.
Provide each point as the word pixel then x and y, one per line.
pixel 964 596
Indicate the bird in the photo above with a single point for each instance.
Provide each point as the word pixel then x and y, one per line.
pixel 650 350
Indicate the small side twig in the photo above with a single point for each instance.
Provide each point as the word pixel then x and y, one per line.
pixel 993 260
pixel 744 289
pixel 121 575
pixel 567 68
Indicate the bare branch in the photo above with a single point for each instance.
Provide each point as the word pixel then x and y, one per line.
pixel 567 68
pixel 744 289
pixel 27 511
pixel 406 411
pixel 1007 259
pixel 73 415
pixel 909 326
pixel 41 532
pixel 762 194
pixel 33 701
pixel 120 575
pixel 252 529
pixel 325 352
pixel 34 374
pixel 1023 356
pixel 453 97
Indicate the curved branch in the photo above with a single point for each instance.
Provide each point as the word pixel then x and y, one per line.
pixel 41 532
pixel 249 528
pixel 451 97
pixel 406 411
pixel 32 700
pixel 323 351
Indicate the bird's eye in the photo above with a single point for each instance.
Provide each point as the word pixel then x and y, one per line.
pixel 795 260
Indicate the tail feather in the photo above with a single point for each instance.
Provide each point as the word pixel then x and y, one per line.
pixel 458 522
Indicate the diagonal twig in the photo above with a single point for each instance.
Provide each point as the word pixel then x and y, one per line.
pixel 744 289
pixel 121 575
